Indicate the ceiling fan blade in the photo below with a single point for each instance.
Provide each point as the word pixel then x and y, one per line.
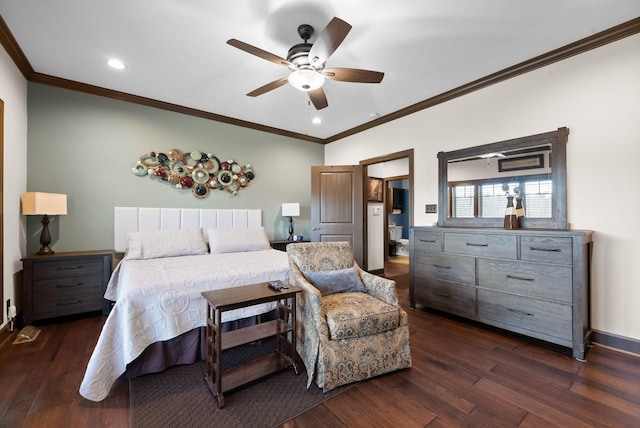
pixel 268 87
pixel 318 98
pixel 328 41
pixel 353 75
pixel 258 52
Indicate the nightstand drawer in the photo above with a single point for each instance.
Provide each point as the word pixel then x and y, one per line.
pixel 63 268
pixel 67 305
pixel 74 285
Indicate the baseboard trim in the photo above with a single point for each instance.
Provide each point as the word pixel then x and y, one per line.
pixel 614 341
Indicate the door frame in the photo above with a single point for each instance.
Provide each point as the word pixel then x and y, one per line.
pixel 365 173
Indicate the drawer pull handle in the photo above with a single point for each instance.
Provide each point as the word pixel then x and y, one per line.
pixel 70 268
pixel 520 278
pixel 516 311
pixel 553 250
pixel 428 240
pixel 471 244
pixel 442 267
pixel 77 284
pixel 442 294
pixel 69 303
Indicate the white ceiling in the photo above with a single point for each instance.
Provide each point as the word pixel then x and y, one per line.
pixel 175 51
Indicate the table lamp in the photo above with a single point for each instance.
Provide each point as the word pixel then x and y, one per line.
pixel 290 209
pixel 44 204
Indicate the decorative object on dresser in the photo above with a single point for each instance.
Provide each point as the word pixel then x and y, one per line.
pixel 291 210
pixel 65 284
pixel 44 204
pixel 532 282
pixel 195 170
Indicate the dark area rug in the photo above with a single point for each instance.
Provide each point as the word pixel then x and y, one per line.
pixel 179 397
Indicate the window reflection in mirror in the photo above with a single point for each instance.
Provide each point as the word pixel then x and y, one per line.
pixel 478 185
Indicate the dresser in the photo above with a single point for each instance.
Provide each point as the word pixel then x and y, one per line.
pixel 65 284
pixel 532 282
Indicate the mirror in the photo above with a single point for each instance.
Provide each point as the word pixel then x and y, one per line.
pixel 473 183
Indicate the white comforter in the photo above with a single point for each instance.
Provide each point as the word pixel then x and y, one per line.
pixel 160 299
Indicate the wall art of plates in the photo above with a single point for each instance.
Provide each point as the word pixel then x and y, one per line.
pixel 201 172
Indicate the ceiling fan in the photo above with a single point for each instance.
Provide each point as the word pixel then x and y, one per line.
pixel 307 63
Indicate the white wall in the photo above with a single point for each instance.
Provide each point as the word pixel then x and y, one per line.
pixel 597 96
pixel 13 91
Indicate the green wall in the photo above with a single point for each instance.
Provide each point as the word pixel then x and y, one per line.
pixel 84 146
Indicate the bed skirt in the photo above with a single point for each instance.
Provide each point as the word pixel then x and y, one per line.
pixel 187 348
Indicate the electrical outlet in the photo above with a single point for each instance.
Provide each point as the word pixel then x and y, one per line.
pixel 431 208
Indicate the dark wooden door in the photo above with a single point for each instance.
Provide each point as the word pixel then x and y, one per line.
pixel 337 210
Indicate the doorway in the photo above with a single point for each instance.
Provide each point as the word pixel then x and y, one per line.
pixel 396 172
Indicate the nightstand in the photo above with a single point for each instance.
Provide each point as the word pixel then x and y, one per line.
pixel 282 244
pixel 65 284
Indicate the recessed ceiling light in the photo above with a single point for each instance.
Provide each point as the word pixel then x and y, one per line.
pixel 116 63
pixel 316 120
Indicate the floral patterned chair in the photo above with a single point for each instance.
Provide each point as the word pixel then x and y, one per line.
pixel 350 325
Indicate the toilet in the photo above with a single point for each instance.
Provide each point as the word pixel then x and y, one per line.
pixel 395 240
pixel 402 247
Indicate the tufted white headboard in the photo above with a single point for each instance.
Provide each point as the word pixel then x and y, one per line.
pixel 138 219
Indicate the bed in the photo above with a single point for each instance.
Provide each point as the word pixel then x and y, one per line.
pixel 171 256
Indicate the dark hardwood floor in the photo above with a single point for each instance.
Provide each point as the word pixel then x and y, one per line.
pixel 463 374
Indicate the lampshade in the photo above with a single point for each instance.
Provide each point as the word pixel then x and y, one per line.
pixel 306 80
pixel 38 203
pixel 290 209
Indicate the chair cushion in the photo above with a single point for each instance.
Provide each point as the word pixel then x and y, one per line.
pixel 337 281
pixel 358 314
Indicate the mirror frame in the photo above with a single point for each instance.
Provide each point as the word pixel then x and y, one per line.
pixel 558 219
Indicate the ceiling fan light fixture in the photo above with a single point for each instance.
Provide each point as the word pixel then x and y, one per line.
pixel 306 80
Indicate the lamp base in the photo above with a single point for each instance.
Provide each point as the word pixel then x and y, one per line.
pixel 290 238
pixel 45 251
pixel 45 238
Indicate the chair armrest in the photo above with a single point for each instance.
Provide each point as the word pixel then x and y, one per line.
pixel 379 287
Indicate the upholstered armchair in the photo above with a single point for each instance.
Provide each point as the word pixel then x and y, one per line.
pixel 350 325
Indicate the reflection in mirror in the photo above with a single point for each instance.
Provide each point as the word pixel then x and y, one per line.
pixel 475 182
pixel 478 185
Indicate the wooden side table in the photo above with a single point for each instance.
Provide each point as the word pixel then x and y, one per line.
pixel 283 328
pixel 65 284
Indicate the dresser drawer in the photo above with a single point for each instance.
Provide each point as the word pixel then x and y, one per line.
pixel 73 285
pixel 427 240
pixel 446 267
pixel 546 249
pixel 548 318
pixel 482 245
pixel 61 268
pixel 529 279
pixel 457 299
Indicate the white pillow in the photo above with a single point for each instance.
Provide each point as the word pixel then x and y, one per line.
pixel 237 240
pixel 165 243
